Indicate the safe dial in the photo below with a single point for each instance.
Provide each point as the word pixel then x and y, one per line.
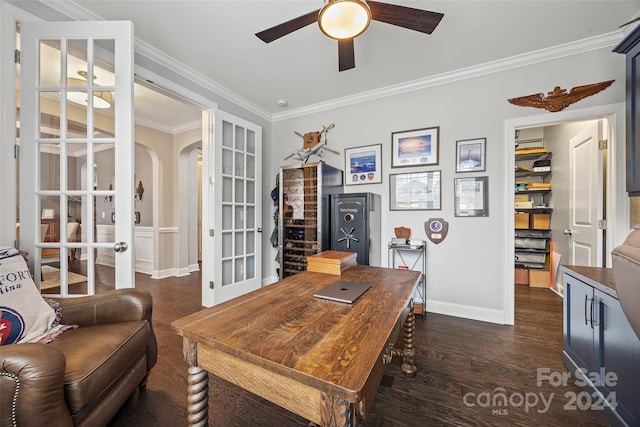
pixel 348 217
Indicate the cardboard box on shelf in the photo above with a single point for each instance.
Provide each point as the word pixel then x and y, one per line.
pixel 540 221
pixel 521 220
pixel 539 278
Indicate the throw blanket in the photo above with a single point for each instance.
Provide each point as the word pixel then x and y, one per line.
pixel 24 315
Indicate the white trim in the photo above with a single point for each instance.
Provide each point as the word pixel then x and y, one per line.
pixel 573 48
pixel 465 311
pixel 168 129
pixel 266 281
pixel 20 14
pixel 74 11
pixel 617 201
pixel 163 274
pixel 193 267
pixel 168 230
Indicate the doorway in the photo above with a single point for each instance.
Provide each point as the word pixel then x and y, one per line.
pixel 615 197
pixel 572 209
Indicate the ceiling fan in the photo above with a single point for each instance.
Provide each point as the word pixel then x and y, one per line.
pixel 344 20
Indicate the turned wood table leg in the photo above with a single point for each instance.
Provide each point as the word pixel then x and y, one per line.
pixel 197 397
pixel 409 353
pixel 197 386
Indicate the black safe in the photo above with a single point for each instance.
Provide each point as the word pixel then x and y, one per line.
pixel 355 226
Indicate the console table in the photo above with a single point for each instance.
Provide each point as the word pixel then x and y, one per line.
pixel 320 359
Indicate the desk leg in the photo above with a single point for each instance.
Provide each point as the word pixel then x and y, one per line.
pixel 197 387
pixel 336 412
pixel 409 353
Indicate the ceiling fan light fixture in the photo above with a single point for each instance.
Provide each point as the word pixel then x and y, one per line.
pixel 344 19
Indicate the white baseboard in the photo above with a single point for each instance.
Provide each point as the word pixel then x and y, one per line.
pixel 269 280
pixel 163 274
pixel 194 267
pixel 179 272
pixel 466 311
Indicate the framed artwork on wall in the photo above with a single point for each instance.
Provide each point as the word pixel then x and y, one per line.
pixel 414 191
pixel 418 147
pixel 471 196
pixel 471 155
pixel 363 165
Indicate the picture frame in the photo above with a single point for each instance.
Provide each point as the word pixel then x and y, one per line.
pixel 363 165
pixel 471 196
pixel 415 191
pixel 417 147
pixel 471 155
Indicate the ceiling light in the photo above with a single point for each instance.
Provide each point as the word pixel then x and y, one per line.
pixel 344 19
pixel 101 99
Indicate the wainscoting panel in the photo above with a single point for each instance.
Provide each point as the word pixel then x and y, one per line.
pixel 105 233
pixel 143 248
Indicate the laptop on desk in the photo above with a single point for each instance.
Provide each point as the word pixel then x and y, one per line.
pixel 342 291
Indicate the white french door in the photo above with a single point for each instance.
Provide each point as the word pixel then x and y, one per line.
pixel 232 207
pixel 76 141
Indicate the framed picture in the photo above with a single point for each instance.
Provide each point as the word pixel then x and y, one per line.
pixel 363 165
pixel 418 147
pixel 414 191
pixel 470 155
pixel 471 196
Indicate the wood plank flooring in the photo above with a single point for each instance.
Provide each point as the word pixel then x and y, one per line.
pixel 464 367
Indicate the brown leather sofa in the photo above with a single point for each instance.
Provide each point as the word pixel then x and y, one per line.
pixel 84 376
pixel 626 273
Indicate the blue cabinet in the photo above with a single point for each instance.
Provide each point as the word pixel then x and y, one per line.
pixel 630 47
pixel 599 341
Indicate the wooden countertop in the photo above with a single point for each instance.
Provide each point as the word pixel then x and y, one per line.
pixel 598 277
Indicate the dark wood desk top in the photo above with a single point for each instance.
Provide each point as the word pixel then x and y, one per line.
pixel 328 345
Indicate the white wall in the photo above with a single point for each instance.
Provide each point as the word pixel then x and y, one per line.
pixel 464 272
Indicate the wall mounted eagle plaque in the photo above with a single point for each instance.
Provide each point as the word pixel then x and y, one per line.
pixel 558 99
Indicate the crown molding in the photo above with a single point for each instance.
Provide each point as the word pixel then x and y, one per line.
pixel 607 40
pixel 150 52
pixel 73 10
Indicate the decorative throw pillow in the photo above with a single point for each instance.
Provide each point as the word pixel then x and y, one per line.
pixel 24 315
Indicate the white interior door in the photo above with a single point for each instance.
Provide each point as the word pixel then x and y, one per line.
pixel 232 208
pixel 586 196
pixel 76 139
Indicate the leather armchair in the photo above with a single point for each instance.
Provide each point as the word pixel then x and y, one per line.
pixel 83 377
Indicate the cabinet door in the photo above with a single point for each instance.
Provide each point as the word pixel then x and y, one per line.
pixel 578 327
pixel 633 127
pixel 618 348
pixel 630 46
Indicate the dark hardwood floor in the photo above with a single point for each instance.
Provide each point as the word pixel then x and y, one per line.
pixel 464 368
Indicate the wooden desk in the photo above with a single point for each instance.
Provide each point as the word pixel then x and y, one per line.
pixel 320 359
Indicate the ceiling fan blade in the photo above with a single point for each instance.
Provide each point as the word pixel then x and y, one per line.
pixel 346 57
pixel 281 30
pixel 406 17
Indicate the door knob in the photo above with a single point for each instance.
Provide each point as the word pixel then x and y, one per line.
pixel 568 231
pixel 120 247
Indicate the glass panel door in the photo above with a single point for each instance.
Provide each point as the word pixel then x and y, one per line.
pixel 77 153
pixel 237 207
